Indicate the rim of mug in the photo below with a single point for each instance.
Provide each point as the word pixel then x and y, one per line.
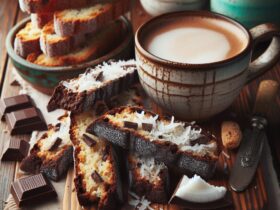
pixel 190 66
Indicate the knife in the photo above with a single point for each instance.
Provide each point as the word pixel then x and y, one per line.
pixel 251 147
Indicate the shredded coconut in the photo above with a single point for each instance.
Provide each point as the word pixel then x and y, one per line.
pixel 150 169
pixel 62 133
pixel 140 204
pixel 110 71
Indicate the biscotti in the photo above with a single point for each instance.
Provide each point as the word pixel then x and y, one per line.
pixel 39 20
pixel 148 178
pixel 35 6
pixel 100 83
pixel 71 22
pixel 96 46
pixel 52 154
pixel 54 45
pixel 177 144
pixel 97 179
pixel 27 41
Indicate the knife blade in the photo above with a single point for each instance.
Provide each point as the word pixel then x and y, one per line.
pixel 251 147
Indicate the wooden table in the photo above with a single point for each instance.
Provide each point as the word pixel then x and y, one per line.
pixel 10 14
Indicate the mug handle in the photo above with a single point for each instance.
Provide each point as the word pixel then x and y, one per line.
pixel 272 54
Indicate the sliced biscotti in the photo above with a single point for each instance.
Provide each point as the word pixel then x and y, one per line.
pixel 53 152
pixel 36 6
pixel 27 41
pixel 71 22
pixel 54 45
pixel 97 179
pixel 148 178
pixel 96 46
pixel 182 145
pixel 39 20
pixel 99 83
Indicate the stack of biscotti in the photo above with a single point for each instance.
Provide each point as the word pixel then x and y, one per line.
pixel 52 154
pixel 148 178
pixel 97 170
pixel 67 32
pixel 99 83
pixel 179 145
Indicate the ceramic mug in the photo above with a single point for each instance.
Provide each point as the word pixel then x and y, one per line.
pixel 158 7
pixel 248 12
pixel 200 91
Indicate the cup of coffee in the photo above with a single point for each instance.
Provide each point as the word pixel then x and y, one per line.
pixel 195 63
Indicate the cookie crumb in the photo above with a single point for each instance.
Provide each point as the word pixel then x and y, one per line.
pixel 231 134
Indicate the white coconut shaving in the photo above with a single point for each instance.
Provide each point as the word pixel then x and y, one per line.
pixel 197 190
pixel 150 169
pixel 110 71
pixel 62 133
pixel 139 203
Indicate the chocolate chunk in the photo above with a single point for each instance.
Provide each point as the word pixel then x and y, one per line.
pixel 15 150
pixel 129 124
pixel 56 144
pixel 147 127
pixel 15 83
pixel 200 140
pixel 96 177
pixel 106 153
pixel 88 140
pixel 99 77
pixel 14 103
pixel 57 127
pixel 36 188
pixel 25 121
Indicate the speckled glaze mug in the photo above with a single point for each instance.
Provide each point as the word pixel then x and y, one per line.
pixel 200 91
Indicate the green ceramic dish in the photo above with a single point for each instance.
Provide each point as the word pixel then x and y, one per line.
pixel 46 78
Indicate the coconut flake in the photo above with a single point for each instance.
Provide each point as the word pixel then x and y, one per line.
pixel 197 190
pixel 150 169
pixel 110 71
pixel 62 133
pixel 140 204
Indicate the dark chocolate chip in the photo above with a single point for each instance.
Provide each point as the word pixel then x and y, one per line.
pixel 96 177
pixel 99 77
pixel 15 150
pixel 56 144
pixel 106 153
pixel 88 140
pixel 57 127
pixel 15 83
pixel 129 124
pixel 147 127
pixel 36 188
pixel 200 140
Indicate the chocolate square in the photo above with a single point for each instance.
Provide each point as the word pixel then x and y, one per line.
pixel 15 150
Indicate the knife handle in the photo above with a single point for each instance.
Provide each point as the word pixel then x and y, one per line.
pixel 266 95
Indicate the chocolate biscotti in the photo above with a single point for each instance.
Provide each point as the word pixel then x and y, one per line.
pixel 97 179
pixel 148 178
pixel 177 144
pixel 53 152
pixel 99 83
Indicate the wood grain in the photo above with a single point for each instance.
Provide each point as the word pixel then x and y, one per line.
pixel 7 169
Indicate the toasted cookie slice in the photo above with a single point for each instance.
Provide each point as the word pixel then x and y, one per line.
pixel 53 152
pixel 148 178
pixel 71 22
pixel 97 179
pixel 99 83
pixel 27 41
pixel 39 20
pixel 177 144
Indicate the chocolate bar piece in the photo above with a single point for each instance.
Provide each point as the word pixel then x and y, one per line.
pixel 147 127
pixel 15 150
pixel 14 103
pixel 36 188
pixel 25 121
pixel 88 140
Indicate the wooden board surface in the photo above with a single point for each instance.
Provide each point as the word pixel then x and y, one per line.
pixel 252 199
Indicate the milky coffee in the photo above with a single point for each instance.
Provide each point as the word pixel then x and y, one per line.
pixel 195 40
